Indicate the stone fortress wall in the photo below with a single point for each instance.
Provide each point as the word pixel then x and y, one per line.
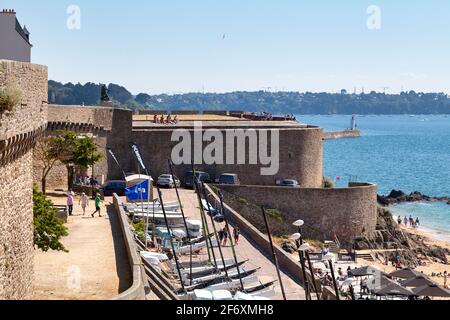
pixel 111 129
pixel 19 131
pixel 301 154
pixel 346 212
pixel 343 212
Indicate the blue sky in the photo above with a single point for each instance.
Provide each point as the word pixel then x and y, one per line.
pixel 178 46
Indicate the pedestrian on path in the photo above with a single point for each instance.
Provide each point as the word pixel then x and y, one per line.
pixel 70 200
pixel 236 234
pixel 220 233
pixel 84 202
pixel 225 236
pixel 98 202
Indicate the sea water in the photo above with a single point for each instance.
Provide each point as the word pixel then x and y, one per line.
pixel 402 152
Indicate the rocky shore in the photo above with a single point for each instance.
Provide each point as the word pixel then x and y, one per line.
pixel 390 240
pixel 396 197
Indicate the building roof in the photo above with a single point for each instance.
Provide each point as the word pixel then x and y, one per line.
pixel 24 33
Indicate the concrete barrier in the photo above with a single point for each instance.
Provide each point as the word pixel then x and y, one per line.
pixel 140 286
pixel 288 264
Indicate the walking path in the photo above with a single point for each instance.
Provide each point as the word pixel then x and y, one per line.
pixel 245 250
pixel 96 266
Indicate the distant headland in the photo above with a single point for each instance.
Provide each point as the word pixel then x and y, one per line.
pixel 259 101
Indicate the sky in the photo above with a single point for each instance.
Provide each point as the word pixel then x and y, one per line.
pixel 178 46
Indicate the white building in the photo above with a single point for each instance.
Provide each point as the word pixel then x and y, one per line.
pixel 14 40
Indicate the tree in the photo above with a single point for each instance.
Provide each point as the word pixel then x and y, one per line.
pixel 49 151
pixel 68 148
pixel 82 152
pixel 48 228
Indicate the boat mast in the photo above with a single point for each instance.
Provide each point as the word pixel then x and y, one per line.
pixel 171 240
pixel 215 230
pixel 184 219
pixel 231 240
pixel 204 221
pixel 273 252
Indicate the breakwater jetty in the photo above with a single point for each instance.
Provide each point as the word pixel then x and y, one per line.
pixel 342 134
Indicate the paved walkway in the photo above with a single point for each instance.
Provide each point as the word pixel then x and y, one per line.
pixel 246 250
pixel 96 266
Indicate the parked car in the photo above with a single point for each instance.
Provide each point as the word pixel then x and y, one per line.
pixel 289 183
pixel 166 181
pixel 201 176
pixel 114 186
pixel 229 178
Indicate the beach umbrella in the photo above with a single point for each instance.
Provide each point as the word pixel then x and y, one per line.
pixel 365 271
pixel 394 289
pixel 432 291
pixel 419 281
pixel 406 273
pixel 378 282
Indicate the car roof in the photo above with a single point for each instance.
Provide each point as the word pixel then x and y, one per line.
pixel 229 174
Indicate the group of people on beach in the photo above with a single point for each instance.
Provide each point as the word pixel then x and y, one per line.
pixel 165 120
pixel 409 222
pixel 84 203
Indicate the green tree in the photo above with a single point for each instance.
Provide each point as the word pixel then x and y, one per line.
pixel 48 151
pixel 48 228
pixel 79 150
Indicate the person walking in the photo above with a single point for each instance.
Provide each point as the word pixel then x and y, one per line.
pixel 225 236
pixel 405 220
pixel 417 222
pixel 84 202
pixel 399 220
pixel 98 202
pixel 220 234
pixel 445 279
pixel 70 200
pixel 236 234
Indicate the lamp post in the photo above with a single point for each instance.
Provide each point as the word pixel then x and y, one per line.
pixel 299 224
pixel 296 237
pixel 305 248
pixel 329 257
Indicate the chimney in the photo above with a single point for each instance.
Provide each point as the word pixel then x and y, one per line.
pixel 9 11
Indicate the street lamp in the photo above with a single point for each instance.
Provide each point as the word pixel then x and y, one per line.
pixel 305 248
pixel 297 238
pixel 329 257
pixel 299 223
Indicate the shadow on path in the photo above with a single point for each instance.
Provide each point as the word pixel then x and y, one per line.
pixel 122 262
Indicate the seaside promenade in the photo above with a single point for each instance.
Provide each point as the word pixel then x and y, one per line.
pixel 96 266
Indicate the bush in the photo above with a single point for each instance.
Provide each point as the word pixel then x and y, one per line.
pixel 243 201
pixel 139 227
pixel 48 228
pixel 10 96
pixel 328 183
pixel 275 214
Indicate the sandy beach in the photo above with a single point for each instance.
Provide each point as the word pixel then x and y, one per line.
pixel 429 266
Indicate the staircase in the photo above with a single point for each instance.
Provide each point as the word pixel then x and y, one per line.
pixel 366 256
pixel 333 247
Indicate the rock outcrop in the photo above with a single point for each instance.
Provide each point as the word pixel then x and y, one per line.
pixel 396 197
pixel 411 248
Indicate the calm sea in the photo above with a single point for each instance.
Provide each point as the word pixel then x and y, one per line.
pixel 408 153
